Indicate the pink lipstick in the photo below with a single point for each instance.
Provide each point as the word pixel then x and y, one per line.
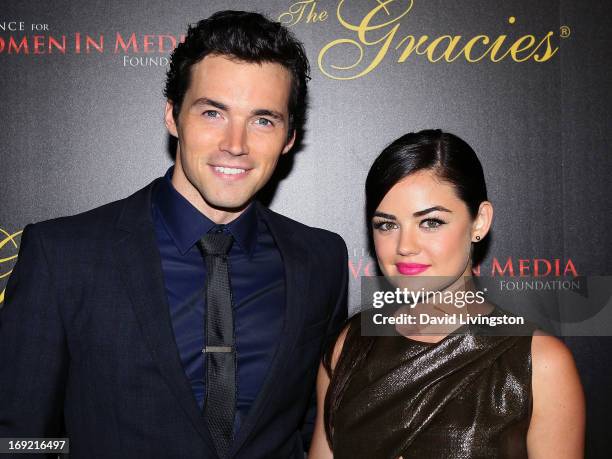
pixel 411 269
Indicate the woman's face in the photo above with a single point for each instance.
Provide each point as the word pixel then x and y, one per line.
pixel 422 228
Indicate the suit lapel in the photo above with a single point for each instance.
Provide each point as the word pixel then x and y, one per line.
pixel 297 273
pixel 139 263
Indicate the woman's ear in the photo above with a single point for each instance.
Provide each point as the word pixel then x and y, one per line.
pixel 482 222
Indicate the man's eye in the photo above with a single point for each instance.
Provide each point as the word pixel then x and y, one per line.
pixel 264 122
pixel 211 114
pixel 432 223
pixel 385 225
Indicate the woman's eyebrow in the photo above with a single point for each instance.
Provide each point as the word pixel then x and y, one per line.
pixel 384 215
pixel 420 213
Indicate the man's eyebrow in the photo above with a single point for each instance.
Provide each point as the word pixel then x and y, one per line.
pixel 257 112
pixel 384 215
pixel 271 113
pixel 420 213
pixel 207 101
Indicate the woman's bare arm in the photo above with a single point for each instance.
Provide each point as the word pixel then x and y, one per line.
pixel 557 423
pixel 319 448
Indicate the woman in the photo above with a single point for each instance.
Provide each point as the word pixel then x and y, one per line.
pixel 444 395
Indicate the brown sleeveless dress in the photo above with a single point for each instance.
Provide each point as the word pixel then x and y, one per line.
pixel 467 396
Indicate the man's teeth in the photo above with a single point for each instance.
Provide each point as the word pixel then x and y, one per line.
pixel 230 170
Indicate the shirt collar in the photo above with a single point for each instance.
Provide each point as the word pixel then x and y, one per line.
pixel 186 224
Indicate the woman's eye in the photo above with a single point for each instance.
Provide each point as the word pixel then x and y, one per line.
pixel 264 122
pixel 385 225
pixel 432 223
pixel 211 114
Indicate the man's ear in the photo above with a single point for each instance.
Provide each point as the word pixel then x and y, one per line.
pixel 289 144
pixel 169 119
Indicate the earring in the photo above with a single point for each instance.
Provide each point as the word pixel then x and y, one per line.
pixel 478 238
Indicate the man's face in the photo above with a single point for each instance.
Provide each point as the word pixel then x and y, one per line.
pixel 231 129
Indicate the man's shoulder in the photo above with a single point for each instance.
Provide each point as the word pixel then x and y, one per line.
pixel 95 223
pixel 313 236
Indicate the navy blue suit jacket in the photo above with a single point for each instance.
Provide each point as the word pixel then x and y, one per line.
pixel 87 349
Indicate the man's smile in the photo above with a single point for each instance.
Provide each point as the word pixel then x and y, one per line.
pixel 232 173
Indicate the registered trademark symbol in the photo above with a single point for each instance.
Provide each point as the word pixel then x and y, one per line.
pixel 565 31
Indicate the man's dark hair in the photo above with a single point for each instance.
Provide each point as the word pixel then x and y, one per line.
pixel 248 37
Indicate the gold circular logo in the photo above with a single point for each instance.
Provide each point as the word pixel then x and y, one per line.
pixel 9 248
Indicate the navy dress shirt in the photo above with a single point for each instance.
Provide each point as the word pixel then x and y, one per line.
pixel 257 283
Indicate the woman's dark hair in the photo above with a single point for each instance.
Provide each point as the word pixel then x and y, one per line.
pixel 248 37
pixel 449 157
pixel 453 161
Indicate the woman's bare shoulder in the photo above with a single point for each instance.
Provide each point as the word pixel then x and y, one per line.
pixel 550 355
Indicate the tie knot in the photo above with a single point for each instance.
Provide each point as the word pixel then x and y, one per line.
pixel 216 243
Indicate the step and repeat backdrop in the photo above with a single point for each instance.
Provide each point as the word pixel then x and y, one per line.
pixel 527 84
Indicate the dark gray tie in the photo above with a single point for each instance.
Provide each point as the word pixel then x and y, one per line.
pixel 219 351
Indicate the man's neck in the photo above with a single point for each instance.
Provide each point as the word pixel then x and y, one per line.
pixel 220 216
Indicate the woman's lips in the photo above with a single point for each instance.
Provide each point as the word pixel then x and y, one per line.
pixel 411 269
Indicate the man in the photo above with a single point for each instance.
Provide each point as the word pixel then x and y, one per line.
pixel 188 319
